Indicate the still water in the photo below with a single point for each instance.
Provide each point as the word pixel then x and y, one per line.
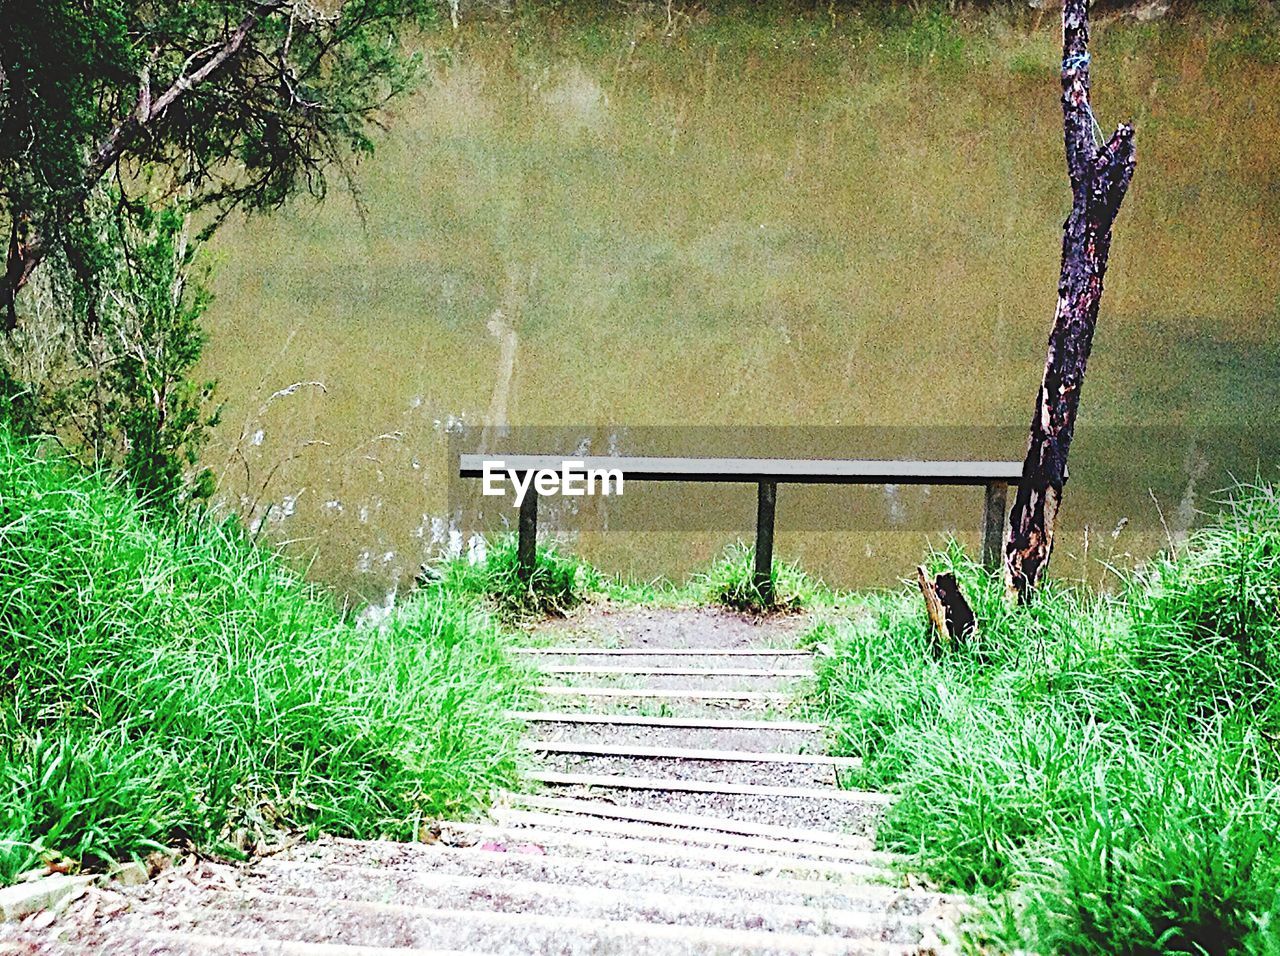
pixel 752 238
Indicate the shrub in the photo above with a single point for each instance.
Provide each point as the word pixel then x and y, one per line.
pixel 1174 856
pixel 108 361
pixel 1207 619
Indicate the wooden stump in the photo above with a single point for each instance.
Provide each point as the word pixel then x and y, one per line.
pixel 951 619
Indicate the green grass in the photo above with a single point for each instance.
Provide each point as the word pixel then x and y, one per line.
pixel 164 683
pixel 1106 767
pixel 653 592
pixel 731 581
pixel 559 582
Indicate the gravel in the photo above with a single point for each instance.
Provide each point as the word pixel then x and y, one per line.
pixel 770 684
pixel 705 627
pixel 498 921
pixel 831 815
pixel 671 707
pixel 321 879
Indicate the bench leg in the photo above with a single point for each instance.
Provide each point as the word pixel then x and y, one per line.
pixel 766 502
pixel 993 514
pixel 527 542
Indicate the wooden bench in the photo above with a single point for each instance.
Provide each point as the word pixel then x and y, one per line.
pixel 767 474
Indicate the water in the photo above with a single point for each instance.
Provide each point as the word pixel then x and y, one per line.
pixel 754 226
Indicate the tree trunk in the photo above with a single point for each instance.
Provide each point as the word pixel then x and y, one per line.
pixel 23 255
pixel 1099 178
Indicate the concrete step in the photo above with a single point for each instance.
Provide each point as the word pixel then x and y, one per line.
pixel 656 924
pixel 652 899
pixel 648 702
pixel 711 755
pixel 500 939
pixel 513 854
pixel 815 808
pixel 641 720
pixel 161 943
pixel 795 774
pixel 678 679
pixel 618 781
pixel 776 736
pixel 667 657
pixel 670 694
pixel 697 668
pixel 592 841
pixel 674 826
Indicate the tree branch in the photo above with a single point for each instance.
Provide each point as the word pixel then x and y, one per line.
pixel 125 132
pixel 231 106
pixel 1112 173
pixel 25 254
pixel 1076 115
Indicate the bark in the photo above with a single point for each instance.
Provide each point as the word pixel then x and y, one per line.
pixel 19 261
pixel 1099 178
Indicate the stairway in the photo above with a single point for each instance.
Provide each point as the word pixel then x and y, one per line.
pixel 680 809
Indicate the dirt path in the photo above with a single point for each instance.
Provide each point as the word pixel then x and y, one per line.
pixel 683 809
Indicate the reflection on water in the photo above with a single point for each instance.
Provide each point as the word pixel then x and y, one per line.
pixel 613 229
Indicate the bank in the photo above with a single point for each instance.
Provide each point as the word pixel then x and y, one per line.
pixel 1098 769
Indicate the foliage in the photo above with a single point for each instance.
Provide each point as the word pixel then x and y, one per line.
pixel 158 411
pixel 1167 860
pixel 558 584
pixel 925 36
pixel 110 366
pixel 731 581
pixel 164 680
pixel 110 108
pixel 233 103
pixel 1107 762
pixel 1206 618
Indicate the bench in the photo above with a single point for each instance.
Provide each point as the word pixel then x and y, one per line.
pixel 767 474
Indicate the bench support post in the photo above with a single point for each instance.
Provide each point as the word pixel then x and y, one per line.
pixel 993 514
pixel 527 541
pixel 765 504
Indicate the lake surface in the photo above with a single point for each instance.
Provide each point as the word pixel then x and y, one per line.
pixel 754 237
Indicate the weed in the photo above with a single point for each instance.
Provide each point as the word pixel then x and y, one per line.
pixel 731 581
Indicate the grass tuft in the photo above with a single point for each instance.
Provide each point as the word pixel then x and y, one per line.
pixel 164 682
pixel 559 583
pixel 731 581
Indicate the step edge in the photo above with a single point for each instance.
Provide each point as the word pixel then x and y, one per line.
pixel 688 753
pixel 692 723
pixel 624 782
